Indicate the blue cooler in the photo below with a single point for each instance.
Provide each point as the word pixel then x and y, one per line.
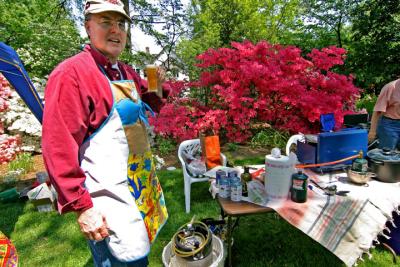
pixel 331 146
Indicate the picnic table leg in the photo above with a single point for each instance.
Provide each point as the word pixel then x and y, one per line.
pixel 229 239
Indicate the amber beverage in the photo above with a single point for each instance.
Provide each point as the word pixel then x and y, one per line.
pixel 151 72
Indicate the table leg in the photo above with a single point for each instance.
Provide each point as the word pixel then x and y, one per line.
pixel 229 240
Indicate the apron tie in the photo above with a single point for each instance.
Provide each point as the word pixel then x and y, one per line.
pixel 142 113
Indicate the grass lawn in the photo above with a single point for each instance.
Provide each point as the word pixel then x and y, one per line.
pixel 48 239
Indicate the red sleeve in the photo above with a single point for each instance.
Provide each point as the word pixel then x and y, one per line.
pixel 65 125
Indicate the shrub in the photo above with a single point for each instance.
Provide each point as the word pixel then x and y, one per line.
pixel 9 145
pixel 164 145
pixel 249 83
pixel 270 138
pixel 367 102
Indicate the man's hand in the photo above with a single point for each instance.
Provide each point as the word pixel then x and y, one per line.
pixel 160 80
pixel 93 224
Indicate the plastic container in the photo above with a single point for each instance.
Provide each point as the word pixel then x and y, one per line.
pixel 224 187
pixel 236 189
pixel 217 257
pixel 278 173
pixel 9 195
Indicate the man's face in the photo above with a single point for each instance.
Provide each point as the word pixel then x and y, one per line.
pixel 107 32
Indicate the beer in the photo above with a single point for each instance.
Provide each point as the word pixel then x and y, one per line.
pixel 152 83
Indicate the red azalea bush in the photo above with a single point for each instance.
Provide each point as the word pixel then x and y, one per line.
pixel 9 145
pixel 259 83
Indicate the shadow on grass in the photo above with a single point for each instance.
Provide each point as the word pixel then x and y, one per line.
pixel 9 214
pixel 49 239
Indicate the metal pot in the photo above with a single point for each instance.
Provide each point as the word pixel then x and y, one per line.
pixel 386 165
pixel 359 177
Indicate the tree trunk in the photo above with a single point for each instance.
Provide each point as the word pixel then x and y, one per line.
pixel 128 39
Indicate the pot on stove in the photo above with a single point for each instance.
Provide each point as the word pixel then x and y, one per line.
pixel 385 163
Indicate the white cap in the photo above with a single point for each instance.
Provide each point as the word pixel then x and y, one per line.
pixel 98 6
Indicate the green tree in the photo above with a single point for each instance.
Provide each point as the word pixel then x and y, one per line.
pixel 375 43
pixel 41 31
pixel 164 21
pixel 216 23
pixel 326 22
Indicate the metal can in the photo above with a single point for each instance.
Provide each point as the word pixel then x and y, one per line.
pixel 224 187
pixel 360 165
pixel 218 175
pixel 299 187
pixel 236 189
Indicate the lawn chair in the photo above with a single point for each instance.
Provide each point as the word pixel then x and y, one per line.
pixel 188 149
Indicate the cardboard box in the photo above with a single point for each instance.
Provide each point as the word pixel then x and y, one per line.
pixel 43 198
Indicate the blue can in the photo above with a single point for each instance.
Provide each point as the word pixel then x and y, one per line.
pixel 232 174
pixel 218 175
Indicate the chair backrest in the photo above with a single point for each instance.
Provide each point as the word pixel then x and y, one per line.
pixel 187 149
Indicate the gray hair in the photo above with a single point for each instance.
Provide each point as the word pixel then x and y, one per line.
pixel 88 17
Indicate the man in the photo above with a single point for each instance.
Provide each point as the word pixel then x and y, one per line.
pixel 95 144
pixel 385 121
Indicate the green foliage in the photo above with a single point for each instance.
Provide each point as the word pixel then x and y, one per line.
pixel 232 147
pixel 367 102
pixel 164 21
pixel 216 23
pixel 40 31
pixel 325 23
pixel 23 162
pixel 270 138
pixel 375 44
pixel 164 146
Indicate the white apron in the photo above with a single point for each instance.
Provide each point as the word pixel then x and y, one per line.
pixel 121 178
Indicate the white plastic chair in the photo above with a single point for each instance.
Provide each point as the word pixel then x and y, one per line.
pixel 191 147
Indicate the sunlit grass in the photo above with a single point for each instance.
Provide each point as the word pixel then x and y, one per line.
pixel 23 162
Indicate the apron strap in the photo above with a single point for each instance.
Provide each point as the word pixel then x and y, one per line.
pixel 142 113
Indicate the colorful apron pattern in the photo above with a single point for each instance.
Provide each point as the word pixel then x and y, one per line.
pixel 121 175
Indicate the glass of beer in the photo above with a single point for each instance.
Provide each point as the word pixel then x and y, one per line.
pixel 152 83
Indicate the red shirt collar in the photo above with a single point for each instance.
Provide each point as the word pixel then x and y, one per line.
pixel 105 64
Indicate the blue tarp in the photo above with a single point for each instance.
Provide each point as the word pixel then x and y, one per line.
pixel 12 68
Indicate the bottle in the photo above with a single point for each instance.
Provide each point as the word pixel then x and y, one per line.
pixel 360 164
pixel 236 189
pixel 245 177
pixel 299 187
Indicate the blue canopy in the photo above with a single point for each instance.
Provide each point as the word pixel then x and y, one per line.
pixel 12 68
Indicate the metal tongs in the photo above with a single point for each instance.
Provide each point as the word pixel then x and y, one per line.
pixel 331 190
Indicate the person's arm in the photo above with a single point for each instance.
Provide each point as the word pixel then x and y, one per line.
pixel 65 124
pixel 374 123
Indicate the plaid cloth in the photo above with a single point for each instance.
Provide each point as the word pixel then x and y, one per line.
pixel 345 225
pixel 8 254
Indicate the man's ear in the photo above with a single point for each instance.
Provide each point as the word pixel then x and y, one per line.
pixel 87 28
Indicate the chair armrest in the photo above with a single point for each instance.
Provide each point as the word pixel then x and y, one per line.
pixel 223 159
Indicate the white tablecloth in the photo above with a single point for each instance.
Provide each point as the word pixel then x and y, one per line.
pixel 345 225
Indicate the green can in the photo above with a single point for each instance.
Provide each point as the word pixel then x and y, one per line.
pixel 299 187
pixel 360 165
